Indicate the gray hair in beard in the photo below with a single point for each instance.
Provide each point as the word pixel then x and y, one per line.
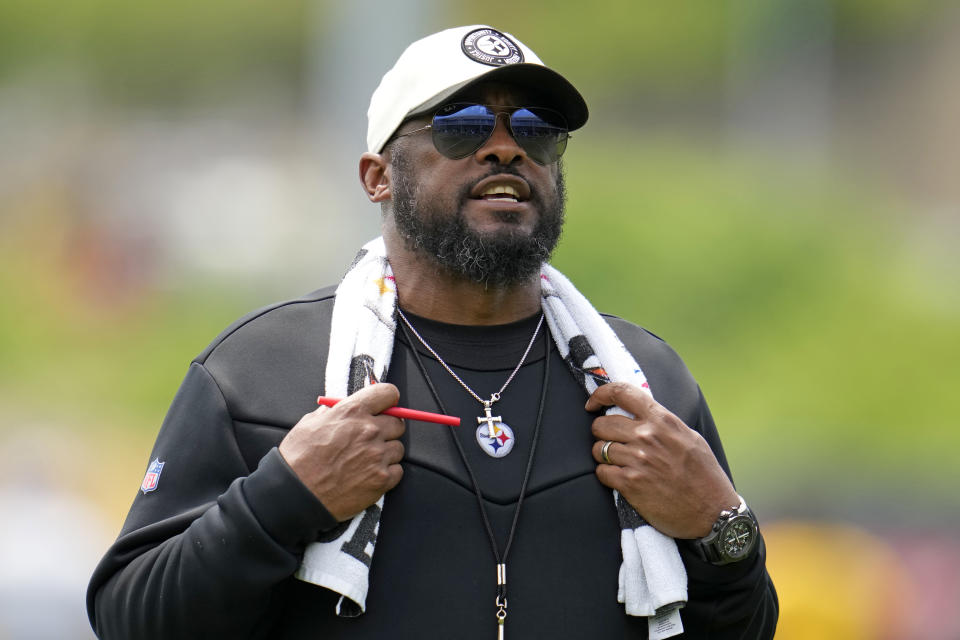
pixel 438 229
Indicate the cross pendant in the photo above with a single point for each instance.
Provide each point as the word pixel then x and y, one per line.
pixel 494 436
pixel 491 420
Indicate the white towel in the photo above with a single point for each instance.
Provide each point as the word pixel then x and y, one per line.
pixel 652 577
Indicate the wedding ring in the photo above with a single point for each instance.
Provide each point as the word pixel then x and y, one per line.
pixel 604 451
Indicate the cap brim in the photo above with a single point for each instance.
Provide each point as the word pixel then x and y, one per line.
pixel 549 87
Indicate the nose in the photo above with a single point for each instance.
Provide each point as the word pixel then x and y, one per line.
pixel 500 147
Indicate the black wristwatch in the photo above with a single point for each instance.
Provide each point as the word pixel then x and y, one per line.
pixel 733 536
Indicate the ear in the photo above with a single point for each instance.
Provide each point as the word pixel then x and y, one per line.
pixel 375 176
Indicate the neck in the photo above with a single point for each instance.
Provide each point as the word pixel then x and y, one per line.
pixel 429 291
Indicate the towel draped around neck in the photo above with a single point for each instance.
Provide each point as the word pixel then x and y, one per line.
pixel 652 578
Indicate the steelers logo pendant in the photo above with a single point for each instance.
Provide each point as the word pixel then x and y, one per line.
pixel 495 438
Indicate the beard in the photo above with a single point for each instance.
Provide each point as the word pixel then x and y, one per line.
pixel 437 229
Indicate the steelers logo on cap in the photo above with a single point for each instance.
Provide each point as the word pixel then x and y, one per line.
pixel 489 46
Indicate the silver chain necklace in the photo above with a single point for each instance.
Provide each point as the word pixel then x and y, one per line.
pixel 494 436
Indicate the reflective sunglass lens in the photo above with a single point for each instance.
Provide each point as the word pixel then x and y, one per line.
pixel 541 132
pixel 461 129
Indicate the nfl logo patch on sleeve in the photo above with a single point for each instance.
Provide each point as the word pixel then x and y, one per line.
pixel 153 476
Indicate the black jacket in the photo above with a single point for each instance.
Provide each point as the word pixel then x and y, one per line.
pixel 211 552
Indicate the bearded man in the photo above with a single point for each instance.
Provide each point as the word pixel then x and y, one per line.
pixel 586 462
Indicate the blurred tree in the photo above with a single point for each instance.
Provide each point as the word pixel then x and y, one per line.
pixel 159 53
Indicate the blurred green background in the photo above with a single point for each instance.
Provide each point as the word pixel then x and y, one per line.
pixel 770 187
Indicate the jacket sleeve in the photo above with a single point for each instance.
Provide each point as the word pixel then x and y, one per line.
pixel 730 601
pixel 174 570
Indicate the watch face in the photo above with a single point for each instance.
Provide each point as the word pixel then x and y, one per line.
pixel 737 538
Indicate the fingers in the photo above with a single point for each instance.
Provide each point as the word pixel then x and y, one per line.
pixel 390 428
pixel 393 452
pixel 628 397
pixel 618 428
pixel 366 405
pixel 651 419
pixel 374 398
pixel 395 475
pixel 610 476
pixel 611 446
pixel 620 454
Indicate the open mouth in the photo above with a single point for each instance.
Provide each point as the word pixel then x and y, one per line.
pixel 502 189
pixel 501 192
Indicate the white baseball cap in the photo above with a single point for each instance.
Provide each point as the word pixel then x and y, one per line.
pixel 434 68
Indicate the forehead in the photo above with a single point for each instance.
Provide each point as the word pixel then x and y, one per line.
pixel 499 94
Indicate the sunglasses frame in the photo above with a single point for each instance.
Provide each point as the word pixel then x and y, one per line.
pixel 497 111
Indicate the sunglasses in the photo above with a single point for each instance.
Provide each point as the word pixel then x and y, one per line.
pixel 461 128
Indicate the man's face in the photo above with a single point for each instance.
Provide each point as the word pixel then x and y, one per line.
pixel 455 211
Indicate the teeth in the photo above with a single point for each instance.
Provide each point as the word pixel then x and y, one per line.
pixel 502 190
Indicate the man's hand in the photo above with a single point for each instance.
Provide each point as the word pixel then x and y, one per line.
pixel 662 467
pixel 348 455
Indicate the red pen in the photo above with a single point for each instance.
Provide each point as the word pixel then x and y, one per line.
pixel 402 412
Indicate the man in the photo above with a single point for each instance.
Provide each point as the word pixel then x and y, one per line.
pixel 612 508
